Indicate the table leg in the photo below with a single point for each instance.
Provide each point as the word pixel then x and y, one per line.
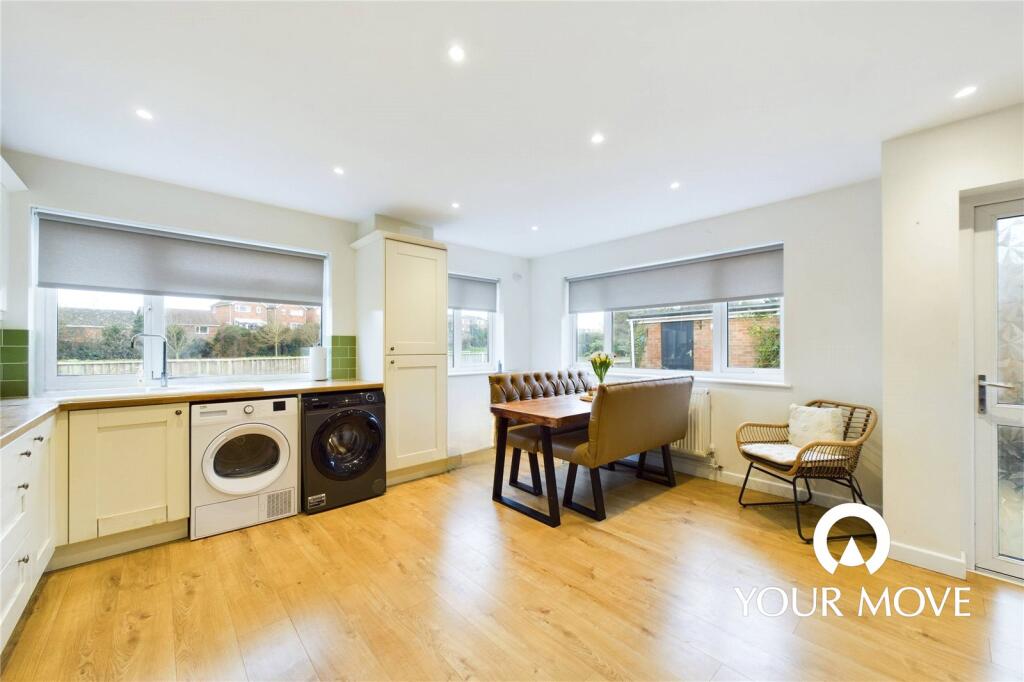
pixel 549 476
pixel 552 518
pixel 499 457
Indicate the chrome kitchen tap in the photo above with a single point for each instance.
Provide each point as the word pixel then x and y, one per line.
pixel 163 371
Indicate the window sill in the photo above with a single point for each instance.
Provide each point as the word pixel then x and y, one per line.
pixel 775 382
pixel 471 372
pixel 742 382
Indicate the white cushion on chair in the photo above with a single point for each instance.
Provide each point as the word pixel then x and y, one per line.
pixel 783 454
pixel 807 424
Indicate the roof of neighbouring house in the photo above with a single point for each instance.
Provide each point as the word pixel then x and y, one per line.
pixel 203 318
pixel 93 317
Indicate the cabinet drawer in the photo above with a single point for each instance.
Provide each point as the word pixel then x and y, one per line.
pixel 15 474
pixel 16 582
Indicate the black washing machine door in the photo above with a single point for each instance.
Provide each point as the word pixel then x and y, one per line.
pixel 347 445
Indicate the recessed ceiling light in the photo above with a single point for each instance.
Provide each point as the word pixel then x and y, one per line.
pixel 966 92
pixel 338 170
pixel 534 228
pixel 144 114
pixel 597 138
pixel 674 185
pixel 456 53
pixel 456 204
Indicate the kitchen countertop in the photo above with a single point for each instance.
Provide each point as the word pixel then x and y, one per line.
pixel 18 415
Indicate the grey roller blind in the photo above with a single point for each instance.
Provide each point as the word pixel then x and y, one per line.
pixel 472 293
pixel 82 254
pixel 730 276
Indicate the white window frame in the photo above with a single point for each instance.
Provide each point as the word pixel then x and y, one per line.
pixel 457 366
pixel 153 323
pixel 719 356
pixel 722 345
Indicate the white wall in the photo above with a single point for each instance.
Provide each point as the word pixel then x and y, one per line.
pixel 927 361
pixel 66 186
pixel 470 424
pixel 832 310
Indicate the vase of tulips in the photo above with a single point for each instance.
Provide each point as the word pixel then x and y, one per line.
pixel 601 362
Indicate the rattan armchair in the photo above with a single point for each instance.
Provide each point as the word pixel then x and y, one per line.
pixel 767 448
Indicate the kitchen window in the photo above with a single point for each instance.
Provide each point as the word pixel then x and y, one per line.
pixel 734 334
pixel 90 311
pixel 91 343
pixel 472 317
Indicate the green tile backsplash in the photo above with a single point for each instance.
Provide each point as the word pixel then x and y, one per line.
pixel 14 363
pixel 343 357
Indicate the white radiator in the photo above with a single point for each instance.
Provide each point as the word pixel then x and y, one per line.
pixel 698 436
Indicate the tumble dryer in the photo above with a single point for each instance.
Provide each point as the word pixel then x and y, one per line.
pixel 245 464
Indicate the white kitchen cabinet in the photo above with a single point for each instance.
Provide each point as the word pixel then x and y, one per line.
pixel 402 326
pixel 415 388
pixel 27 520
pixel 415 299
pixel 128 467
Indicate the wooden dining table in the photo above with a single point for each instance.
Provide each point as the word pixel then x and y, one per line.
pixel 547 413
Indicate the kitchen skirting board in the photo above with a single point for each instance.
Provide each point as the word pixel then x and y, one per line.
pixel 119 543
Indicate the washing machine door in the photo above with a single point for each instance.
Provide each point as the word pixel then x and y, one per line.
pixel 246 459
pixel 347 445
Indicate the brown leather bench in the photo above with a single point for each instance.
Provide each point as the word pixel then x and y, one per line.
pixel 509 386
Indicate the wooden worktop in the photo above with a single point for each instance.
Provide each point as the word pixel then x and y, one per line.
pixel 556 412
pixel 20 414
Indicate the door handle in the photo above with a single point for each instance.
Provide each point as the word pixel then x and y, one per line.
pixel 983 394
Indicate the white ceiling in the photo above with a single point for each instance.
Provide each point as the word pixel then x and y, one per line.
pixel 743 104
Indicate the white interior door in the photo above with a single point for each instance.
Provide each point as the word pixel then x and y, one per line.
pixel 999 365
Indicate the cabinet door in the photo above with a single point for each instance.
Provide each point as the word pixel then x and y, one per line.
pixel 127 468
pixel 415 391
pixel 415 299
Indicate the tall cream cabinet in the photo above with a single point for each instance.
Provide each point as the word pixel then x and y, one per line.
pixel 28 519
pixel 402 318
pixel 128 467
pixel 415 299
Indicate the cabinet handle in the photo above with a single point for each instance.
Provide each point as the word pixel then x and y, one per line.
pixel 39 439
pixel 23 486
pixel 392 347
pixel 392 362
pixel 177 412
pixel 27 453
pixel 23 560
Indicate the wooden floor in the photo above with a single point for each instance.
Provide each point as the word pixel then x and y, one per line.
pixel 434 581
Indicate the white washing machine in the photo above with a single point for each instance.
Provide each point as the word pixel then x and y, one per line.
pixel 245 464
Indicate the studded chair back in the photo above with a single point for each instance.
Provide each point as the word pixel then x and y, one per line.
pixel 509 386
